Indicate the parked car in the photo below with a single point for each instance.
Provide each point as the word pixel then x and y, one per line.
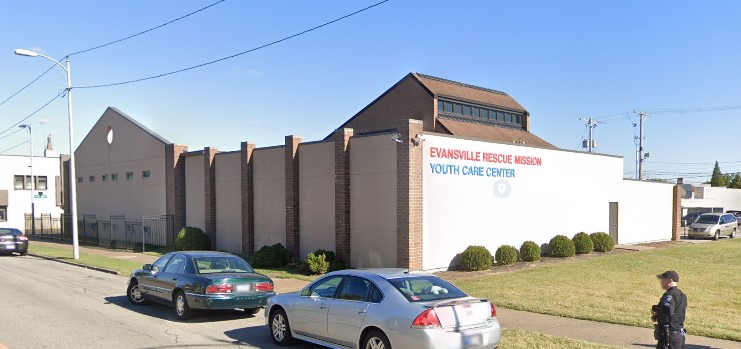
pixel 383 309
pixel 200 280
pixel 13 240
pixel 737 214
pixel 714 225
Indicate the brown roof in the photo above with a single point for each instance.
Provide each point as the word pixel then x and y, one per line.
pixel 465 92
pixel 486 131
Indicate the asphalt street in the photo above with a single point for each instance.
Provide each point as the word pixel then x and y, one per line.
pixel 45 304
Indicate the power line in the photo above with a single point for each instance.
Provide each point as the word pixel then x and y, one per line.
pixel 13 147
pixel 34 112
pixel 28 84
pixel 147 30
pixel 12 133
pixel 236 54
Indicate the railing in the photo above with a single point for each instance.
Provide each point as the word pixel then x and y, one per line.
pixel 149 233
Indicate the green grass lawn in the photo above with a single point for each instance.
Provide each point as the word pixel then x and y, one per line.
pixel 520 339
pixel 621 288
pixel 124 267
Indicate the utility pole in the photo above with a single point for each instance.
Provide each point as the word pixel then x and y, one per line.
pixel 33 180
pixel 641 121
pixel 591 143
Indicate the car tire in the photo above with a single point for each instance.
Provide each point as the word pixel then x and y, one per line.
pixel 280 329
pixel 717 235
pixel 733 234
pixel 182 310
pixel 251 311
pixel 25 252
pixel 376 340
pixel 134 294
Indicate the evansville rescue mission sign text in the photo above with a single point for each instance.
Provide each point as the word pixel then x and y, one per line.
pixel 478 156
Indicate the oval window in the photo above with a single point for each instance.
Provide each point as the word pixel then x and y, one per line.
pixel 109 136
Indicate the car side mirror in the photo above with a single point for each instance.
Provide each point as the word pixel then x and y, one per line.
pixel 147 267
pixel 305 292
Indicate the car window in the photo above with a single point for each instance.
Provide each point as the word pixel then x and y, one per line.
pixel 327 287
pixel 7 231
pixel 355 289
pixel 175 264
pixel 426 288
pixel 222 264
pixel 376 295
pixel 160 263
pixel 707 219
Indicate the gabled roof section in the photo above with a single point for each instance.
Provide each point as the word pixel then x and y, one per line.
pixel 469 128
pixel 137 124
pixel 465 92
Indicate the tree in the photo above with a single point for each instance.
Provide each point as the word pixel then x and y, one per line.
pixel 718 179
pixel 736 181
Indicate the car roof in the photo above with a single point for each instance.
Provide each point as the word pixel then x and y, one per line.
pixel 712 214
pixel 205 253
pixel 386 273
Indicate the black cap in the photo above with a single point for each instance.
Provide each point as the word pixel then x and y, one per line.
pixel 669 274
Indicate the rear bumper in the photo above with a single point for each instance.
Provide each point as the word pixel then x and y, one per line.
pixel 13 246
pixel 483 337
pixel 241 301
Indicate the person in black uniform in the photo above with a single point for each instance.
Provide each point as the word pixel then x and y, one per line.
pixel 669 313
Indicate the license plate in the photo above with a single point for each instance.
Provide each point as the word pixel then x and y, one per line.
pixel 473 340
pixel 10 247
pixel 244 288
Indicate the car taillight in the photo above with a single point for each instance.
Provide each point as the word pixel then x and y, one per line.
pixel 264 287
pixel 428 319
pixel 22 238
pixel 493 310
pixel 220 288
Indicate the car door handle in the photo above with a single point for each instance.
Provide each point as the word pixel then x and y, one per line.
pixel 322 306
pixel 362 311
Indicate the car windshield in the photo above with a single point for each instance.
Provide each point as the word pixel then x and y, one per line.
pixel 7 231
pixel 707 219
pixel 426 288
pixel 221 264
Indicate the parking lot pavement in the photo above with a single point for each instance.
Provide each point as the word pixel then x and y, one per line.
pixel 60 306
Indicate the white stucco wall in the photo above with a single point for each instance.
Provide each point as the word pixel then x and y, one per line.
pixel 316 197
pixel 373 201
pixel 19 200
pixel 228 202
pixel 195 191
pixel 270 198
pixel 714 197
pixel 568 192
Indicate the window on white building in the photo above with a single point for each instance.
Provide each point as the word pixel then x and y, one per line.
pixel 41 183
pixel 18 180
pixel 28 183
pixel 3 213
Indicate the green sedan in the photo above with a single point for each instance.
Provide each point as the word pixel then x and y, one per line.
pixel 200 280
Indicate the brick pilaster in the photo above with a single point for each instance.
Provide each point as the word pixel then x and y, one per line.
pixel 293 238
pixel 342 194
pixel 175 188
pixel 248 198
pixel 409 196
pixel 677 213
pixel 209 179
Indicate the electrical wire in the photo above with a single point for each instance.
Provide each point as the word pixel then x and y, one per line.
pixel 27 85
pixel 236 54
pixel 12 133
pixel 147 30
pixel 34 112
pixel 13 147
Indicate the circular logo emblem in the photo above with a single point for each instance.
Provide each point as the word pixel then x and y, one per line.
pixel 502 189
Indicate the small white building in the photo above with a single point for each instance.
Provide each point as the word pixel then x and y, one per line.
pixel 16 191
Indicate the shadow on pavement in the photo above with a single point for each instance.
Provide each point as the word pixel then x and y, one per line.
pixel 259 336
pixel 166 313
pixel 686 346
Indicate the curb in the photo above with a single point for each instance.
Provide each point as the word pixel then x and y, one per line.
pixel 103 270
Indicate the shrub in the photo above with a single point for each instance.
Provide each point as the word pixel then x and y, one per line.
pixel 561 246
pixel 476 258
pixel 317 263
pixel 583 243
pixel 192 239
pixel 602 242
pixel 506 255
pixel 271 257
pixel 334 263
pixel 529 251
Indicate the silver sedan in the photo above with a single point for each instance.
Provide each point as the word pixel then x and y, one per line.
pixel 382 309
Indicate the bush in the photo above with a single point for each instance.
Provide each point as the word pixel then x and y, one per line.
pixel 334 263
pixel 192 239
pixel 271 257
pixel 561 246
pixel 476 258
pixel 602 242
pixel 506 255
pixel 529 251
pixel 317 263
pixel 583 243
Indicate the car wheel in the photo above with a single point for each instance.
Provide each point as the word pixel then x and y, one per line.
pixel 25 252
pixel 182 310
pixel 733 234
pixel 251 311
pixel 717 235
pixel 134 294
pixel 280 330
pixel 376 340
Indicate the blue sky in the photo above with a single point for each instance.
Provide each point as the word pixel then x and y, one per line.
pixel 561 60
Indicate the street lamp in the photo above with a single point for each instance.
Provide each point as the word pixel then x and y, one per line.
pixel 72 178
pixel 33 182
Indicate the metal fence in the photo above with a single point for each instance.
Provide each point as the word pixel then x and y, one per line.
pixel 149 233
